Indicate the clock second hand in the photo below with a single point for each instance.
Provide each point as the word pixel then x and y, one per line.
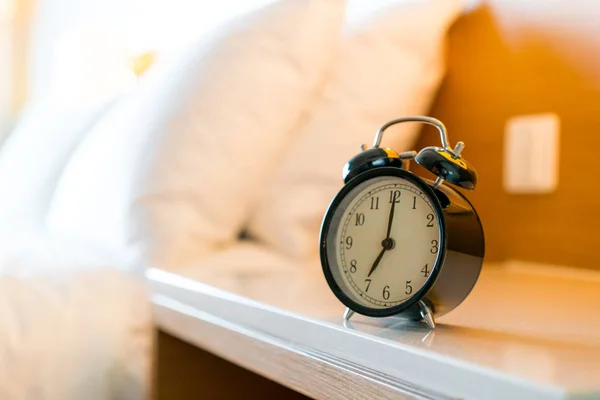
pixel 388 243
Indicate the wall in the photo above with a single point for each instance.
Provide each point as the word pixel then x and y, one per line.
pixel 15 17
pixel 80 49
pixel 515 57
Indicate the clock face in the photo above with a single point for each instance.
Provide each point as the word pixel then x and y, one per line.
pixel 384 241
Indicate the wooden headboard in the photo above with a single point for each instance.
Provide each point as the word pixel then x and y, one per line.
pixel 515 57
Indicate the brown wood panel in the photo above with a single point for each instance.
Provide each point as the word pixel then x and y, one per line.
pixel 187 372
pixel 512 57
pixel 310 372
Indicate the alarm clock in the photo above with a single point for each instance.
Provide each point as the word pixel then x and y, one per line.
pixel 394 243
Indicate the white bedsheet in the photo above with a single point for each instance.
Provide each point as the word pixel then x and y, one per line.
pixel 73 324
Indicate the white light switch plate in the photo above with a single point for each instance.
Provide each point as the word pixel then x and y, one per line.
pixel 531 152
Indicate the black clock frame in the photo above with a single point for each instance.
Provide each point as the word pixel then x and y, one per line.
pixel 460 262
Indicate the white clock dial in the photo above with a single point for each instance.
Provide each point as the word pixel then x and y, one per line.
pixel 387 243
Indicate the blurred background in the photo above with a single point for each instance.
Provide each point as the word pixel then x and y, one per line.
pixel 79 52
pixel 507 59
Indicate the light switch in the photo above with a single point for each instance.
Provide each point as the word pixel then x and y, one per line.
pixel 531 153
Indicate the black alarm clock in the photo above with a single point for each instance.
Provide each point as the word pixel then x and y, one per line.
pixel 394 243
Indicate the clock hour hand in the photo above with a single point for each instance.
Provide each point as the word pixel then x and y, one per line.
pixel 377 261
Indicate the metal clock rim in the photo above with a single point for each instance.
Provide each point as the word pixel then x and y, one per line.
pixel 326 225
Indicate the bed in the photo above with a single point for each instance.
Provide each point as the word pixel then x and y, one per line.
pixel 75 323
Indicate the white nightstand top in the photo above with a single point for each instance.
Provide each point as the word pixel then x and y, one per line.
pixel 526 331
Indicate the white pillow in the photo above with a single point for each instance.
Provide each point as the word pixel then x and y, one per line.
pixel 170 173
pixel 33 158
pixel 391 63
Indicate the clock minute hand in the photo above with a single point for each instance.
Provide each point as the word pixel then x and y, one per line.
pixel 377 261
pixel 387 242
pixel 391 218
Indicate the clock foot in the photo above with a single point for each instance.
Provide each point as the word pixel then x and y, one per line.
pixel 426 314
pixel 348 314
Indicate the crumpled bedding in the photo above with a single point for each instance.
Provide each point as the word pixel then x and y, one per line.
pixel 74 324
